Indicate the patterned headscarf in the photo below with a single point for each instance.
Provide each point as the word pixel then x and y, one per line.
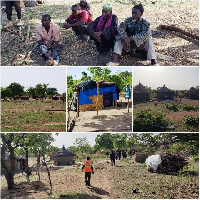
pixel 107 7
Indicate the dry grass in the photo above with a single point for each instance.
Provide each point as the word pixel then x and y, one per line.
pixel 26 116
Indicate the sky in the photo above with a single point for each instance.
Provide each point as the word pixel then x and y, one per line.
pixel 175 78
pixel 76 72
pixel 31 76
pixel 68 139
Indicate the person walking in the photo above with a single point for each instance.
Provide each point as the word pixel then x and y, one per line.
pixel 112 157
pixel 88 169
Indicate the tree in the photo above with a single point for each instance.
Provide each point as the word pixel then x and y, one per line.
pixel 104 140
pixel 41 90
pixel 17 90
pixel 52 91
pixel 119 140
pixel 82 145
pixel 132 140
pixel 10 142
pixel 99 73
pixel 85 77
pixel 6 92
pixel 126 77
pixel 70 87
pixel 31 92
pixel 37 143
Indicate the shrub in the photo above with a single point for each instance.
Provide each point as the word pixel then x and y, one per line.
pixel 196 158
pixel 190 108
pixel 145 121
pixel 172 106
pixel 192 121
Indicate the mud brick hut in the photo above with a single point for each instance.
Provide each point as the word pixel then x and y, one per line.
pixel 63 157
pixel 24 98
pixel 193 93
pixel 140 94
pixel 164 93
pixel 19 162
pixel 55 98
pixel 89 93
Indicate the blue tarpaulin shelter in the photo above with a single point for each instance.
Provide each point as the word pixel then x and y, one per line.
pixel 87 89
pixel 85 94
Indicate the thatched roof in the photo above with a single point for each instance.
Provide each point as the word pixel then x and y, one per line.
pixel 63 152
pixel 163 89
pixel 140 89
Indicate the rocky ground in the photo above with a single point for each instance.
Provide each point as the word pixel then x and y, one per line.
pixel 173 48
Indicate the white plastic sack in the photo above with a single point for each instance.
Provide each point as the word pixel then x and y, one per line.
pixel 153 161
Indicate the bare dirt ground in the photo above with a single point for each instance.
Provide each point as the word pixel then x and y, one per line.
pixel 112 119
pixel 69 179
pixel 107 182
pixel 183 50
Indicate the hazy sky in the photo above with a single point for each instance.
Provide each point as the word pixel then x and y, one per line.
pixel 173 77
pixel 31 76
pixel 68 139
pixel 76 72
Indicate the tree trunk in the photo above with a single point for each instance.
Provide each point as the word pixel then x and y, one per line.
pixel 38 164
pixel 9 173
pixel 10 180
pixel 27 170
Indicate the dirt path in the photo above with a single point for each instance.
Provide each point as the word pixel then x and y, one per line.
pixel 113 119
pixel 68 182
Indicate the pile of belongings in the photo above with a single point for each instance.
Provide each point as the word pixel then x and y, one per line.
pixel 168 162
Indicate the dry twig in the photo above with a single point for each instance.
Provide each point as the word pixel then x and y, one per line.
pixel 17 54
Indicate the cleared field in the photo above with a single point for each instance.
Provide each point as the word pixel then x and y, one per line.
pixel 125 180
pixel 34 116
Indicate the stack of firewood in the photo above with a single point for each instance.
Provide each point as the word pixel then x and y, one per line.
pixel 172 162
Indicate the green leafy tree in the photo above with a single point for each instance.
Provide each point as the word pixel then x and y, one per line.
pixel 52 91
pixel 104 140
pixel 36 143
pixel 83 145
pixel 6 92
pixel 85 77
pixel 70 87
pixel 99 73
pixel 41 90
pixel 119 140
pixel 17 90
pixel 126 78
pixel 31 92
pixel 132 140
pixel 10 142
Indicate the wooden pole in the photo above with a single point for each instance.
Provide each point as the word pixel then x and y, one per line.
pixel 97 107
pixel 48 172
pixel 128 105
pixel 77 91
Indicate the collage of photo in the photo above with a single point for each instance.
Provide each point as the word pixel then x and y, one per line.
pixel 99 99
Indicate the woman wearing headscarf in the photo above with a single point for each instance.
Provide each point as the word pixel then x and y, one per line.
pixel 104 29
